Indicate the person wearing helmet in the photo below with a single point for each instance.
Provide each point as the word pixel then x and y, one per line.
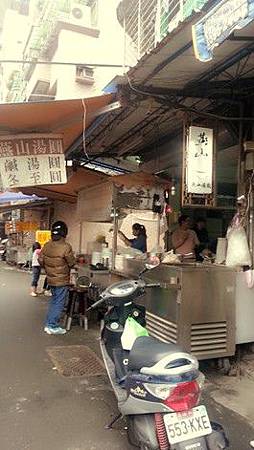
pixel 57 258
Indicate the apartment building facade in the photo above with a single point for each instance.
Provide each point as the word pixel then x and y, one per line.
pixel 147 22
pixel 78 33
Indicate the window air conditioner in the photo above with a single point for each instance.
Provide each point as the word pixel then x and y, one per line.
pixel 249 155
pixel 248 146
pixel 80 14
pixel 85 75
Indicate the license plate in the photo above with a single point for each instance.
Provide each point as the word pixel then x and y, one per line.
pixel 187 425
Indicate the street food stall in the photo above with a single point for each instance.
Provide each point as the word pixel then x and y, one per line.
pixel 119 201
pixel 21 237
pixel 194 305
pixel 25 216
pixel 203 306
pixel 116 203
pixel 186 111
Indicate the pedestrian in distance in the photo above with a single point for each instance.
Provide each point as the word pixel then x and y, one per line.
pixel 29 258
pixel 57 258
pixel 36 268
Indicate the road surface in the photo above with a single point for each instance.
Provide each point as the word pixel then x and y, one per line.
pixel 40 409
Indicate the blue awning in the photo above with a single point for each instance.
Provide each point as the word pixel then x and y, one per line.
pixel 17 197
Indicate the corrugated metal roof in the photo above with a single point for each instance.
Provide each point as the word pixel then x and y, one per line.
pixel 170 66
pixel 173 63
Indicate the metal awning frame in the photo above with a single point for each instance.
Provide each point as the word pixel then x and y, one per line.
pixel 30 205
pixel 215 95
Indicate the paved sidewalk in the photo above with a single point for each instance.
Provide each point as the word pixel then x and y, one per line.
pixel 40 409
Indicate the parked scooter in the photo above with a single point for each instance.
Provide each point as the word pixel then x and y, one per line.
pixel 3 244
pixel 157 385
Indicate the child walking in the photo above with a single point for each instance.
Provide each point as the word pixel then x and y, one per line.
pixel 36 268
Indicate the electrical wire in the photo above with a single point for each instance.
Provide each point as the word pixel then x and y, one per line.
pixel 59 63
pixel 177 105
pixel 84 129
pixel 139 91
pixel 249 195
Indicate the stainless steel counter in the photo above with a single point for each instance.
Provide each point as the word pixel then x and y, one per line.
pixel 244 310
pixel 101 278
pixel 194 307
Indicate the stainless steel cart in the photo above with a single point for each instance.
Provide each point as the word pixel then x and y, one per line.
pixel 194 307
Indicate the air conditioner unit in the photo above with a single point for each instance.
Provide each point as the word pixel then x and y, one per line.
pixel 80 14
pixel 85 75
pixel 248 146
pixel 249 155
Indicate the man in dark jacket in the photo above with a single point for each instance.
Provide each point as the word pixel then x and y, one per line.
pixel 57 258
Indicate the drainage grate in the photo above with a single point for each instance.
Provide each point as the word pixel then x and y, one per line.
pixel 76 361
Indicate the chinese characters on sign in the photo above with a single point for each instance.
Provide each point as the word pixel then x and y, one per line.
pixel 30 160
pixel 218 24
pixel 15 226
pixel 199 161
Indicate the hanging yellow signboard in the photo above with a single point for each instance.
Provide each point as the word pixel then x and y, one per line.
pixel 43 236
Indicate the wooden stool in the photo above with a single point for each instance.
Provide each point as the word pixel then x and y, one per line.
pixel 77 305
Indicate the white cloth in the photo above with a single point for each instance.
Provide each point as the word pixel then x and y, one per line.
pixel 238 253
pixel 35 261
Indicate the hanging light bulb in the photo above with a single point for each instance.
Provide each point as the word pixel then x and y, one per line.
pixel 173 188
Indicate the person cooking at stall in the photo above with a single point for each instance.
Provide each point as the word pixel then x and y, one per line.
pixel 184 240
pixel 201 232
pixel 140 240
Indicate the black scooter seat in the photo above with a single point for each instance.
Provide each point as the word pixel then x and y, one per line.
pixel 147 351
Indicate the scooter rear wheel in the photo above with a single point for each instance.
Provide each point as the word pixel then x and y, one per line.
pixel 131 438
pixel 130 433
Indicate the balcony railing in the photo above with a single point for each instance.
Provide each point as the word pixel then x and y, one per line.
pixel 82 13
pixel 16 87
pixel 147 22
pixel 76 12
pixel 43 35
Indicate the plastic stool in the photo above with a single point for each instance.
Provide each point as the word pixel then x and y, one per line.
pixel 77 297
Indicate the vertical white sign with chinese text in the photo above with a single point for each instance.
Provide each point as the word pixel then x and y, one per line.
pixel 32 160
pixel 199 161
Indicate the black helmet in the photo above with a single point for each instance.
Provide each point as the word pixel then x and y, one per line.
pixel 59 229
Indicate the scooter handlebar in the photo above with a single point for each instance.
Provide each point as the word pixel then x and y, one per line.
pixel 94 305
pixel 152 285
pixel 107 295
